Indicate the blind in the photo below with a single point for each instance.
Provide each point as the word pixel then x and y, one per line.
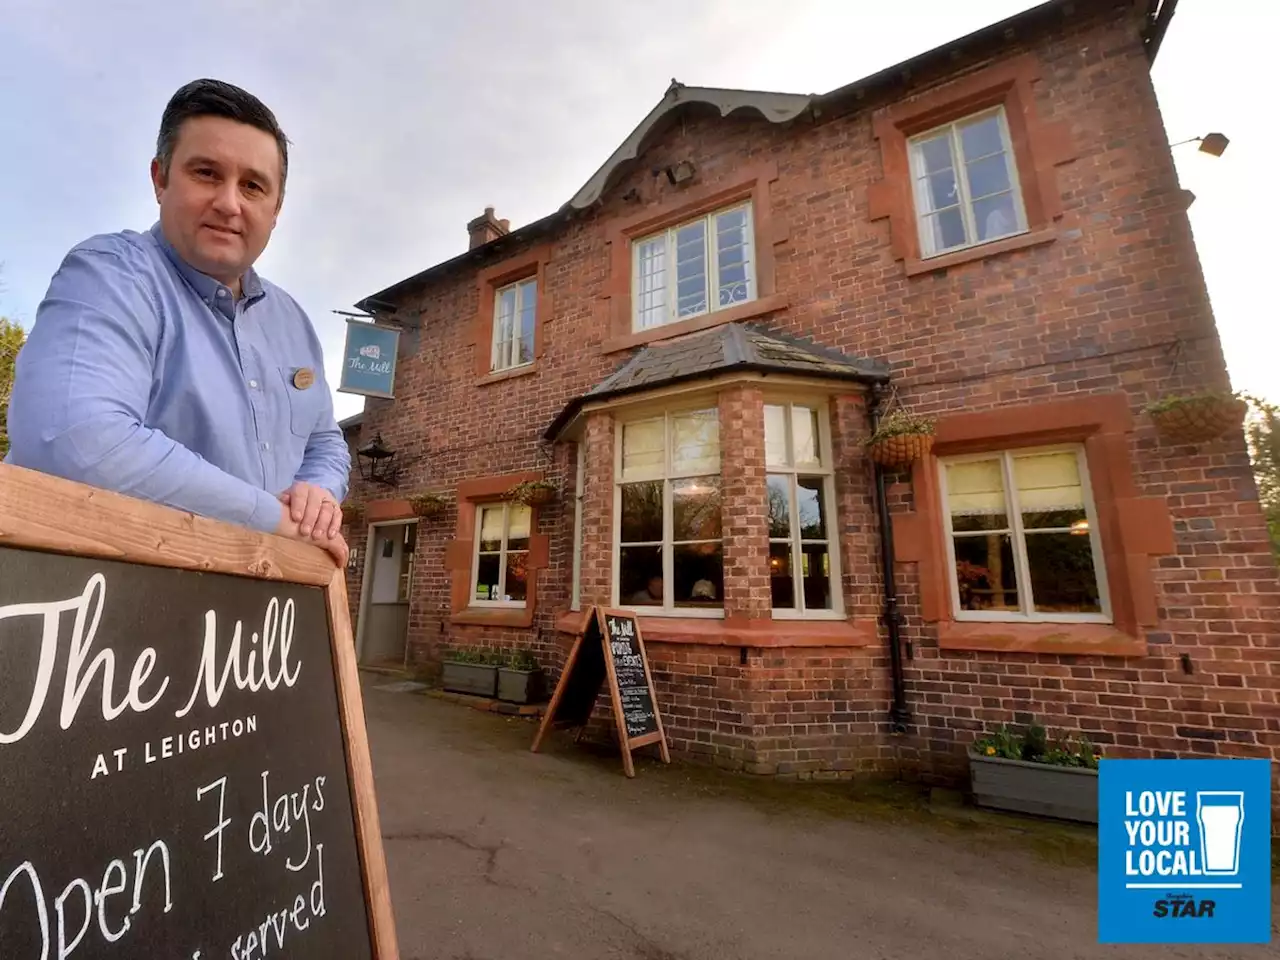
pixel 975 487
pixel 1048 482
pixel 518 526
pixel 491 528
pixel 695 442
pixel 642 449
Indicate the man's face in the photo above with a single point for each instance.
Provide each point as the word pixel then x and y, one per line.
pixel 220 200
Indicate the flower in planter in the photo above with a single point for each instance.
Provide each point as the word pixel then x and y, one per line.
pixel 1198 417
pixel 427 505
pixel 533 492
pixel 1033 746
pixel 901 438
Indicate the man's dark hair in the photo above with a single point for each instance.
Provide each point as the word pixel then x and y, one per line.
pixel 214 98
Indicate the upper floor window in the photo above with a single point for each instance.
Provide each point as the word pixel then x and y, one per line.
pixel 1024 537
pixel 670 547
pixel 500 567
pixel 803 573
pixel 513 320
pixel 966 184
pixel 694 268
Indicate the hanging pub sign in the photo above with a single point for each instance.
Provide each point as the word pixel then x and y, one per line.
pixel 184 768
pixel 369 359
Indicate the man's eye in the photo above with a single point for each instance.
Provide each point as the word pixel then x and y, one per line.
pixel 253 187
pixel 204 172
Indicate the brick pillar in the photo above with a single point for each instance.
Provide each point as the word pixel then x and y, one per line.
pixel 745 504
pixel 597 511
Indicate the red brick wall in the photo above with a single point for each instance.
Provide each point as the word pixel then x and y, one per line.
pixel 744 503
pixel 1116 303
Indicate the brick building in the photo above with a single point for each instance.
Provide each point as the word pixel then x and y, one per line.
pixel 693 348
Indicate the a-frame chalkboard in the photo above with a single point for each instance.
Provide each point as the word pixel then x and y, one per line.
pixel 184 768
pixel 608 648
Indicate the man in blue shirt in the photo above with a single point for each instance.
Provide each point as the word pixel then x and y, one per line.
pixel 162 366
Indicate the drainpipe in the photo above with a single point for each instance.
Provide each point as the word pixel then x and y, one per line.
pixel 899 714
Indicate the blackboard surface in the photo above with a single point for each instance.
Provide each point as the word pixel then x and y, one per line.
pixel 174 827
pixel 633 678
pixel 583 679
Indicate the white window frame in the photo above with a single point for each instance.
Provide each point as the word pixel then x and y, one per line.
pixel 667 475
pixel 825 469
pixel 503 354
pixel 1021 564
pixel 713 267
pixel 916 168
pixel 502 557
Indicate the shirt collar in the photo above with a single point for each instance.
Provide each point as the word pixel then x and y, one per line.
pixel 204 285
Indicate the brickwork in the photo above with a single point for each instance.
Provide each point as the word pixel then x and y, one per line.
pixel 744 505
pixel 1111 302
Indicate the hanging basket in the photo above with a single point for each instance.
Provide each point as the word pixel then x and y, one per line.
pixel 427 505
pixel 901 449
pixel 533 493
pixel 1197 419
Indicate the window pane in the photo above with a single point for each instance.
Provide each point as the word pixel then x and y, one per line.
pixel 981 138
pixel 651 285
pixel 985 572
pixel 698 570
pixel 642 512
pixel 988 176
pixel 782 587
pixel 528 305
pixel 945 230
pixel 804 436
pixel 642 448
pixel 517 575
pixel 1050 493
pixel 975 496
pixel 815 571
pixel 936 153
pixel 995 216
pixel 691 269
pixel 640 575
pixel 940 191
pixel 695 509
pixel 518 527
pixel 695 442
pixel 1062 576
pixel 490 529
pixel 487 577
pixel 812 508
pixel 733 251
pixel 775 436
pixel 779 506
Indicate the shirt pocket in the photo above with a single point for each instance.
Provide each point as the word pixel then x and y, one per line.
pixel 304 405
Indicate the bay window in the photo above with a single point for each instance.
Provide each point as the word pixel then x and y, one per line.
pixel 803 564
pixel 1023 537
pixel 669 550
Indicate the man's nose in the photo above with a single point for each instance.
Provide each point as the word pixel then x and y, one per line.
pixel 226 199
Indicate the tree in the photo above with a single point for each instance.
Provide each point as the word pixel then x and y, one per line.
pixel 12 337
pixel 1264 450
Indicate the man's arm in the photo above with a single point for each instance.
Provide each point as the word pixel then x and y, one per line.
pixel 327 461
pixel 81 390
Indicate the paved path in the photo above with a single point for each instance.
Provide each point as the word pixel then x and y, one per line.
pixel 495 852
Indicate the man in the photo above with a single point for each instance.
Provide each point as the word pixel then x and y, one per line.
pixel 162 366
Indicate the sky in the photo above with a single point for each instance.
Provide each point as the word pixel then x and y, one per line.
pixel 408 118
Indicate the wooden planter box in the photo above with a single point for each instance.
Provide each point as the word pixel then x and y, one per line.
pixel 480 679
pixel 520 686
pixel 1041 789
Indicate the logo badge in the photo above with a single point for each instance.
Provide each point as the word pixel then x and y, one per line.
pixel 1184 851
pixel 304 378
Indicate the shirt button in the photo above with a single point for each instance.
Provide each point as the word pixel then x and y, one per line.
pixel 222 292
pixel 253 384
pixel 266 446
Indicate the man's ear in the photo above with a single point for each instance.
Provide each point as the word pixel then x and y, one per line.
pixel 157 178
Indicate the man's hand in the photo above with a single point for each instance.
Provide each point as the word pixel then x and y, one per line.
pixel 288 527
pixel 314 510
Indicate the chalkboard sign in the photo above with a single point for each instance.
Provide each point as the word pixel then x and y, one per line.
pixel 609 647
pixel 185 767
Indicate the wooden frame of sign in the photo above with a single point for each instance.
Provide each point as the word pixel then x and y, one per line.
pixel 620 659
pixel 69 823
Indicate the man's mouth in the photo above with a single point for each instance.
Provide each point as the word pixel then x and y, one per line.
pixel 223 230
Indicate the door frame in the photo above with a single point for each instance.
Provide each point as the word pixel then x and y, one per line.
pixel 363 610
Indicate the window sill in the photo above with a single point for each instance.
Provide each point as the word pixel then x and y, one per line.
pixel 980 252
pixel 795 616
pixel 740 632
pixel 743 311
pixel 477 616
pixel 1089 639
pixel 498 376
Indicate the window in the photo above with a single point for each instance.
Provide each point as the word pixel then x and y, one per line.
pixel 670 551
pixel 500 573
pixel 404 589
pixel 966 184
pixel 513 320
pixel 803 572
pixel 1024 537
pixel 694 268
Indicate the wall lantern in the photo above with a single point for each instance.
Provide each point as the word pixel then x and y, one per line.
pixel 1214 144
pixel 377 463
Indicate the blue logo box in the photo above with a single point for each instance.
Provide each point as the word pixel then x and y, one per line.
pixel 1184 851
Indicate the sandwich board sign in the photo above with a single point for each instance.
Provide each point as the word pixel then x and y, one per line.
pixel 609 649
pixel 184 769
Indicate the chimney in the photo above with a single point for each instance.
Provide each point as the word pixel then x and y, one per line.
pixel 485 228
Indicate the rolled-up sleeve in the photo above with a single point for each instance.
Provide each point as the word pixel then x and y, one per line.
pixel 81 390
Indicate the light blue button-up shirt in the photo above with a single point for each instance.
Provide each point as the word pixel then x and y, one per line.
pixel 144 376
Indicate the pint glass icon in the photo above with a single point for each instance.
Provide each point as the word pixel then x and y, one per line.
pixel 1220 814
